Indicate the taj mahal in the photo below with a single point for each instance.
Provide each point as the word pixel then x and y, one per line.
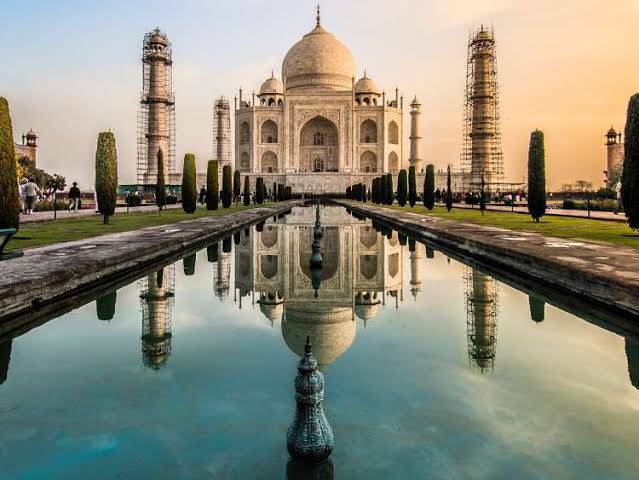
pixel 317 129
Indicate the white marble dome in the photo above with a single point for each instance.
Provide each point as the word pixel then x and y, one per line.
pixel 319 60
pixel 272 86
pixel 367 85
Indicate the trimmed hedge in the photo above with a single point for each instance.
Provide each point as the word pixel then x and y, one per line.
pixel 212 186
pixel 227 187
pixel 106 174
pixel 10 197
pixel 189 187
pixel 536 176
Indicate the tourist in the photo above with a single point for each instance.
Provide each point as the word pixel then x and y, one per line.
pixel 202 198
pixel 23 196
pixel 74 197
pixel 619 202
pixel 31 190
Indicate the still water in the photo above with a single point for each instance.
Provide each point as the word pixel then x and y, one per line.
pixel 433 369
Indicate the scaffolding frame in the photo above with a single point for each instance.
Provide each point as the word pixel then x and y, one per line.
pixel 482 310
pixel 482 92
pixel 143 166
pixel 222 132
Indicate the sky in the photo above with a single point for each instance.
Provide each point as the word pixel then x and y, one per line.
pixel 72 68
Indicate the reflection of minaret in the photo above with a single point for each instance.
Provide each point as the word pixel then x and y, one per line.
pixel 222 277
pixel 157 292
pixel 5 357
pixel 416 260
pixel 632 355
pixel 481 318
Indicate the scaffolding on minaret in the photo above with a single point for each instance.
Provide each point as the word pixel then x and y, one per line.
pixel 222 132
pixel 482 158
pixel 156 114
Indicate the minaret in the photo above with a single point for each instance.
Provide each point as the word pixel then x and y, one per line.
pixel 156 121
pixel 415 159
pixel 416 262
pixel 157 299
pixel 222 132
pixel 614 157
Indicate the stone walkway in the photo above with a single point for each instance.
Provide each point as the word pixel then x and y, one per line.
pixel 605 273
pixel 87 212
pixel 52 273
pixel 559 212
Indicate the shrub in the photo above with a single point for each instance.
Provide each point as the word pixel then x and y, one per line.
pixel 135 200
pixel 630 172
pixel 237 184
pixel 212 186
pixel 106 174
pixel 189 187
pixel 247 191
pixel 536 176
pixel 48 206
pixel 227 187
pixel 10 197
pixel 402 188
pixel 160 188
pixel 389 189
pixel 429 187
pixel 259 190
pixel 412 186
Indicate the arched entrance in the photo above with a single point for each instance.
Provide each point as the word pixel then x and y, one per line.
pixel 318 149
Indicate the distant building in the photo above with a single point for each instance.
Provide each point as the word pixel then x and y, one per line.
pixel 28 147
pixel 614 157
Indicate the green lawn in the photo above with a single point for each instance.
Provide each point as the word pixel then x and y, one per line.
pixel 553 226
pixel 43 233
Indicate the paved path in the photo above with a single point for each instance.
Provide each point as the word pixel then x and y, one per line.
pixel 605 273
pixel 87 212
pixel 560 212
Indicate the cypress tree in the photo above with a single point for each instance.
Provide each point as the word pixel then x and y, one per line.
pixel 247 191
pixel 160 187
pixel 259 190
pixel 402 188
pixel 537 176
pixel 389 189
pixel 374 191
pixel 348 192
pixel 189 265
pixel 382 189
pixel 237 184
pixel 227 245
pixel 106 174
pixel 630 173
pixel 289 193
pixel 449 192
pixel 189 187
pixel 212 186
pixel 275 197
pixel 412 186
pixel 9 196
pixel 482 195
pixel 537 308
pixel 105 305
pixel 429 187
pixel 227 187
pixel 211 253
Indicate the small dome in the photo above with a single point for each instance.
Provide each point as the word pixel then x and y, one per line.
pixel 272 311
pixel 366 312
pixel 611 133
pixel 31 133
pixel 158 37
pixel 272 86
pixel 366 85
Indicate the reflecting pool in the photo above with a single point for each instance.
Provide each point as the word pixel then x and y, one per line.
pixel 433 368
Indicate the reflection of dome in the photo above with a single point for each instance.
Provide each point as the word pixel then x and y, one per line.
pixel 366 85
pixel 366 305
pixel 272 311
pixel 272 86
pixel 319 60
pixel 331 329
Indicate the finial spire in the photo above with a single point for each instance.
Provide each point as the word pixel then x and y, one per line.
pixel 318 15
pixel 272 74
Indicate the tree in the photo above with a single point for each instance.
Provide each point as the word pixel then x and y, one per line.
pixel 537 308
pixel 212 186
pixel 275 196
pixel 237 184
pixel 583 185
pixel 402 188
pixel 630 172
pixel 55 183
pixel 349 192
pixel 389 189
pixel 449 191
pixel 105 305
pixel 247 191
pixel 9 196
pixel 189 187
pixel 429 187
pixel 259 190
pixel 536 176
pixel 482 195
pixel 227 187
pixel 160 187
pixel 106 174
pixel 412 186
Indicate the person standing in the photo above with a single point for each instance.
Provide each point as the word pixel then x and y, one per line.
pixel 23 196
pixel 202 198
pixel 31 190
pixel 74 197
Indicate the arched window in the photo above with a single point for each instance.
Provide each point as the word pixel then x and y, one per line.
pixel 368 162
pixel 280 102
pixel 269 162
pixel 269 132
pixel 318 164
pixel 393 133
pixel 245 133
pixel 367 101
pixel 368 132
pixel 244 161
pixel 319 139
pixel 393 162
pixel 271 102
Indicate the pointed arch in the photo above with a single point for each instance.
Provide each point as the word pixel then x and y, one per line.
pixel 268 132
pixel 368 132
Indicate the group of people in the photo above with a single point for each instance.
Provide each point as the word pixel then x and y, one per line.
pixel 30 193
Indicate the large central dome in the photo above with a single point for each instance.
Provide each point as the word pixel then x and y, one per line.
pixel 318 60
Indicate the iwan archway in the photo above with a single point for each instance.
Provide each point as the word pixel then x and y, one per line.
pixel 319 146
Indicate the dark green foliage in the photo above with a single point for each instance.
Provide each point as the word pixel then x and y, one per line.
pixel 211 253
pixel 430 253
pixel 402 188
pixel 247 191
pixel 9 195
pixel 259 190
pixel 349 193
pixel 227 187
pixel 630 172
pixel 482 195
pixel 260 226
pixel 237 236
pixel 212 186
pixel 374 191
pixel 106 174
pixel 237 184
pixel 389 192
pixel 449 192
pixel 280 191
pixel 412 186
pixel 189 265
pixel 411 244
pixel 429 187
pixel 537 308
pixel 226 245
pixel 288 193
pixel 537 176
pixel 105 306
pixel 189 187
pixel 275 197
pixel 160 187
pixel 382 190
pixel 402 238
